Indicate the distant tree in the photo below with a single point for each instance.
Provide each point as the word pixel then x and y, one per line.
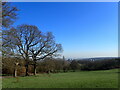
pixel 49 65
pixel 58 64
pixel 65 65
pixel 9 67
pixel 74 65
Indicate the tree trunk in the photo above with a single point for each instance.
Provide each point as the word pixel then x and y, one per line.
pixel 15 72
pixel 35 69
pixel 48 72
pixel 26 66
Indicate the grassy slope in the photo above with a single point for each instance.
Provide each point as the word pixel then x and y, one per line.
pixel 83 79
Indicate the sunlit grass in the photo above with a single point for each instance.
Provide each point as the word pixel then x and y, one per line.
pixel 81 79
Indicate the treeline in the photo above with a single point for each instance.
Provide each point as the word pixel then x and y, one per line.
pixel 57 65
pixel 104 64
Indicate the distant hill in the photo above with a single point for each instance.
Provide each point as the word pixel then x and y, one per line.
pixel 98 58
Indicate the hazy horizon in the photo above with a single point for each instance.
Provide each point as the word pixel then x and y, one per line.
pixel 85 29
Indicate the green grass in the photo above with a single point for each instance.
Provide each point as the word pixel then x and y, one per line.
pixel 81 79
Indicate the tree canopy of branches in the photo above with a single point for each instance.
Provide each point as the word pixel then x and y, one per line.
pixel 28 42
pixel 9 14
pixel 46 47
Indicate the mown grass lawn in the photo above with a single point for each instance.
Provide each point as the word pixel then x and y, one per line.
pixel 81 79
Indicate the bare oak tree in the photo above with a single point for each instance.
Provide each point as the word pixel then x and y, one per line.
pixel 45 48
pixel 28 42
pixel 21 39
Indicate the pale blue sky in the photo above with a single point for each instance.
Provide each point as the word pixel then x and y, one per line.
pixel 88 29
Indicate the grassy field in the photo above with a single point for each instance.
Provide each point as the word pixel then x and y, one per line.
pixel 81 79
